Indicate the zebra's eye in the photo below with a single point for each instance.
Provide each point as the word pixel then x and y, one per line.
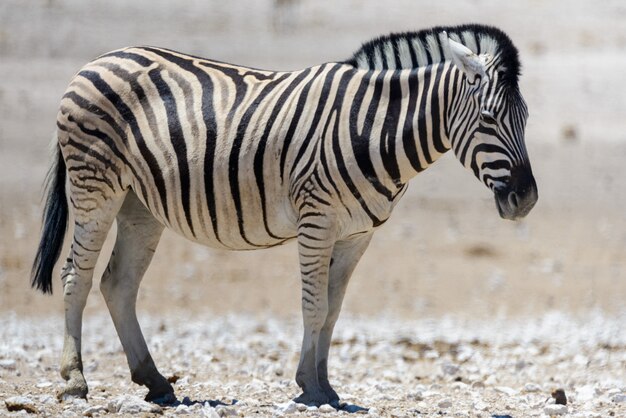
pixel 488 118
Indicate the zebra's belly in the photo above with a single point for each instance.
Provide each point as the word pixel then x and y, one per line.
pixel 246 223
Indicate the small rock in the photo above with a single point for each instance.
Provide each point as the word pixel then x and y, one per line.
pixel 42 385
pixel 21 403
pixel 96 409
pixel 173 378
pixel 47 399
pixel 480 406
pixel 450 368
pixel 491 380
pixel 559 396
pixel 532 387
pixel 555 409
pixel 181 409
pixel 301 407
pixel 444 403
pixel 127 404
pixel 619 398
pixel 585 393
pixel 209 412
pixel 372 412
pixel 8 364
pixel 506 390
pixel 415 395
pixel 289 407
pixel 326 408
pixel 226 411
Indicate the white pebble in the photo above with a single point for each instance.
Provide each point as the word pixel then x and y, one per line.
pixel 209 412
pixel 480 406
pixel 491 380
pixel 585 393
pixel 326 408
pixel 506 390
pixel 95 409
pixel 555 409
pixel 372 412
pixel 226 411
pixel 127 404
pixel 288 407
pixel 450 368
pixel 532 387
pixel 619 398
pixel 181 409
pixel 415 395
pixel 444 403
pixel 8 364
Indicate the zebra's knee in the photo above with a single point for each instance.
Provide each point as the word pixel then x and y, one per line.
pixel 106 283
pixel 314 314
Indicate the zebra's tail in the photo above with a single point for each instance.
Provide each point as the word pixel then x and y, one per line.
pixel 54 225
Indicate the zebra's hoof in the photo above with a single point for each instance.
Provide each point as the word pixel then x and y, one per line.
pixel 166 397
pixel 75 388
pixel 313 398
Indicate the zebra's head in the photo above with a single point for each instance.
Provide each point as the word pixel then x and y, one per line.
pixel 487 132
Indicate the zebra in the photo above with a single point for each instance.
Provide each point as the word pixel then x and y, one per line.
pixel 239 158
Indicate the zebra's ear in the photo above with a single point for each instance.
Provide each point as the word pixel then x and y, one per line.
pixel 468 62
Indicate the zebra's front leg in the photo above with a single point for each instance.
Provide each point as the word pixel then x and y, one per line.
pixel 315 245
pixel 346 254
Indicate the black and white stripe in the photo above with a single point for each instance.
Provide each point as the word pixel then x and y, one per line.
pixel 239 158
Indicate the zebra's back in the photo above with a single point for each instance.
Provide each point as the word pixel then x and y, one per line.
pixel 207 147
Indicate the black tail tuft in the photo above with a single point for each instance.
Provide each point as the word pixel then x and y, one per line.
pixel 54 226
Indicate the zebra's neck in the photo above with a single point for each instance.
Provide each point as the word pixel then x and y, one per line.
pixel 413 130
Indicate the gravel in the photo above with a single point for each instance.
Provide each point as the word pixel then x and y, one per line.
pixel 244 366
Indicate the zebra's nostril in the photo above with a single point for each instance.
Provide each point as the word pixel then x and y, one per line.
pixel 513 200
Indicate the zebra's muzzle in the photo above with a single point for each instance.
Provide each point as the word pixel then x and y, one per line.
pixel 516 200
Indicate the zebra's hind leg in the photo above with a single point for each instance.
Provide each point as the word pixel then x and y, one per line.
pixel 91 226
pixel 138 234
pixel 346 255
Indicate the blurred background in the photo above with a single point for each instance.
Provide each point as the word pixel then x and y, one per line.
pixel 445 250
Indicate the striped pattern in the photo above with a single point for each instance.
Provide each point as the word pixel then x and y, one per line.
pixel 238 158
pixel 221 153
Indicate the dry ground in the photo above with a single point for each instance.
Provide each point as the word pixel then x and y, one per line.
pixel 452 311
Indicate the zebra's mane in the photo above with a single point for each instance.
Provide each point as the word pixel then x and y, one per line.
pixel 429 46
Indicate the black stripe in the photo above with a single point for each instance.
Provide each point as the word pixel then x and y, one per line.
pixel 422 129
pixel 408 134
pixel 177 140
pixel 233 160
pixel 262 143
pixel 139 59
pixel 319 110
pixel 296 120
pixel 208 116
pixel 127 114
pixel 434 110
pixel 486 148
pixel 343 171
pixel 360 142
pixel 389 134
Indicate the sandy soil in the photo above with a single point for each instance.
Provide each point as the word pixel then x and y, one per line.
pixel 452 310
